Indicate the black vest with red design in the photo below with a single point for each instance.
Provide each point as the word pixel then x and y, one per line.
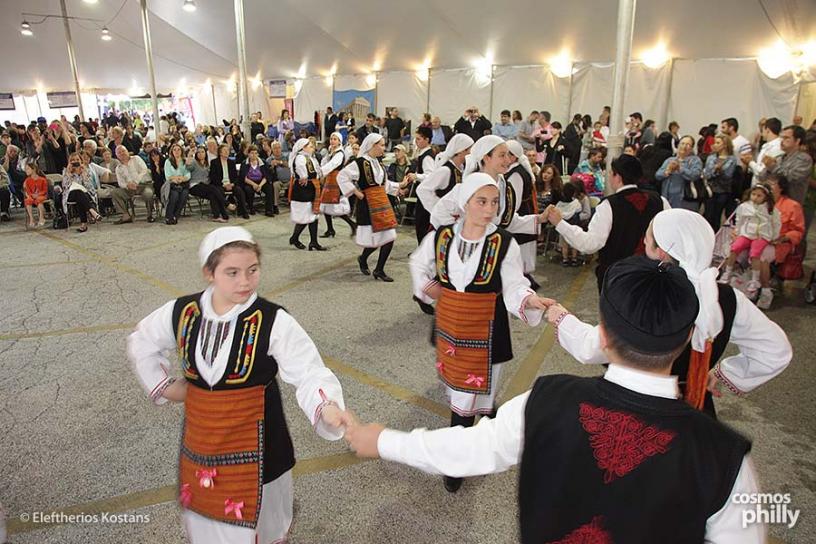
pixel 506 214
pixel 605 464
pixel 632 211
pixel 487 280
pixel 367 178
pixel 422 216
pixel 248 366
pixel 526 204
pixel 455 177
pixel 305 193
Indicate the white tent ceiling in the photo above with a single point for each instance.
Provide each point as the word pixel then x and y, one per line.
pixel 299 38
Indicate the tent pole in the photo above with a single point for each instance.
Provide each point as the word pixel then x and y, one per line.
pixel 243 93
pixel 150 72
pixel 25 108
pixel 492 73
pixel 668 95
pixel 428 93
pixel 215 111
pixel 626 24
pixel 72 59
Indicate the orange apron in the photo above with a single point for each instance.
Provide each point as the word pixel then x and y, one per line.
pixel 464 324
pixel 221 461
pixel 379 208
pixel 331 190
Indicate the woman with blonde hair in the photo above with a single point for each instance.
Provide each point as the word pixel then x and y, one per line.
pixel 719 171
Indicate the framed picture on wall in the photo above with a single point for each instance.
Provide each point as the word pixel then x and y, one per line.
pixel 6 101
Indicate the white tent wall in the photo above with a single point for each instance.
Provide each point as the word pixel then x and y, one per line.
pixel 591 89
pixel 405 91
pixel 648 93
pixel 311 95
pixel 806 106
pixel 529 88
pixel 202 100
pixel 454 90
pixel 706 91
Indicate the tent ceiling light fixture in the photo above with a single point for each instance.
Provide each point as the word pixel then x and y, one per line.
pixel 91 1
pixel 106 35
pixel 25 29
pixel 657 56
pixel 189 6
pixel 371 80
pixel 561 64
pixel 778 59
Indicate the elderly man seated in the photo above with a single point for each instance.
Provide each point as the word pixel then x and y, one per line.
pixel 133 178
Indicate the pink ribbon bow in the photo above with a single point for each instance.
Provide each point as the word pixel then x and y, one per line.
pixel 451 350
pixel 440 366
pixel 231 506
pixel 206 477
pixel 185 496
pixel 472 379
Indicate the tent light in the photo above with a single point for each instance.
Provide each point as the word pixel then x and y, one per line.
pixel 106 35
pixel 656 57
pixel 189 6
pixel 25 29
pixel 561 64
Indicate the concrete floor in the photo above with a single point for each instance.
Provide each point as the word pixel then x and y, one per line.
pixel 80 436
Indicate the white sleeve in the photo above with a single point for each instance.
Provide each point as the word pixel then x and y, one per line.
pixel 516 288
pixel 666 205
pixel 300 167
pixel 428 167
pixel 596 234
pixel 764 349
pixel 492 446
pixel 426 191
pixel 423 268
pixel 391 187
pixel 147 349
pixel 581 340
pixel 300 365
pixel 726 526
pixel 347 177
pixel 446 211
pixel 122 176
pixel 329 166
pixel 523 224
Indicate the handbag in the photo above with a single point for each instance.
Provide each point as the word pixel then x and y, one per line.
pixel 792 268
pixel 697 190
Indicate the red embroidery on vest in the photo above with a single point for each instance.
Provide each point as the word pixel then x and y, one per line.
pixel 638 200
pixel 621 441
pixel 591 533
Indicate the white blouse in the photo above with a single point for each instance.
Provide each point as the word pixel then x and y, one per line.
pixel 351 173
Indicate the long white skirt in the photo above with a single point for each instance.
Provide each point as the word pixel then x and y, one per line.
pixel 341 208
pixel 470 404
pixel 528 256
pixel 366 237
pixel 300 213
pixel 273 522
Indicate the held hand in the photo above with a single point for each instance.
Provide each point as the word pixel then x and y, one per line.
pixel 538 303
pixel 554 313
pixel 713 385
pixel 359 194
pixel 132 186
pixel 553 215
pixel 176 391
pixel 333 416
pixel 363 439
pixel 434 292
pixel 228 186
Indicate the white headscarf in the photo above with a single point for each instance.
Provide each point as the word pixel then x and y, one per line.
pixel 457 144
pixel 368 143
pixel 516 149
pixel 296 149
pixel 689 239
pixel 219 238
pixel 470 184
pixel 482 147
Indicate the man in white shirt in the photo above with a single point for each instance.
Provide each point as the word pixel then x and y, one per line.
pixel 525 133
pixel 133 177
pixel 771 147
pixel 612 459
pixel 620 221
pixel 730 127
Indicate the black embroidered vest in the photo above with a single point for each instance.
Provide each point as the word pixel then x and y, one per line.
pixel 453 180
pixel 248 366
pixel 602 463
pixel 506 214
pixel 305 193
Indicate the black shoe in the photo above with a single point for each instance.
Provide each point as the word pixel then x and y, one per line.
pixel 296 243
pixel 565 262
pixel 151 219
pixel 252 212
pixel 534 285
pixel 317 247
pixel 168 221
pixel 424 306
pixel 575 263
pixel 453 484
pixel 275 210
pixel 380 275
pixel 328 234
pixel 363 266
pixel 269 214
pixel 245 215
pixel 5 218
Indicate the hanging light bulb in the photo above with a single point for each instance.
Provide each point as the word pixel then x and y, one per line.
pixel 106 35
pixel 25 29
pixel 91 1
pixel 189 5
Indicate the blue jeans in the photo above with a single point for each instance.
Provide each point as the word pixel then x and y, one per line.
pixel 176 200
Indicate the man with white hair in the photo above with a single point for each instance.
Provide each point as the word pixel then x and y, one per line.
pixel 473 124
pixel 89 146
pixel 133 177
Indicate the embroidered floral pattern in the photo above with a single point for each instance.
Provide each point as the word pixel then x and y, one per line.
pixel 189 315
pixel 621 441
pixel 591 533
pixel 488 266
pixel 442 248
pixel 246 356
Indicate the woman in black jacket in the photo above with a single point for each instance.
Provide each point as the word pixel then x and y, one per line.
pixel 255 178
pixel 224 173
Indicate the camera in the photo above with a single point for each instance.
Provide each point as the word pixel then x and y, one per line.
pixel 76 164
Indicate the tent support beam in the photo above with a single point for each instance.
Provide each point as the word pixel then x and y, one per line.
pixel 623 55
pixel 72 59
pixel 243 93
pixel 150 71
